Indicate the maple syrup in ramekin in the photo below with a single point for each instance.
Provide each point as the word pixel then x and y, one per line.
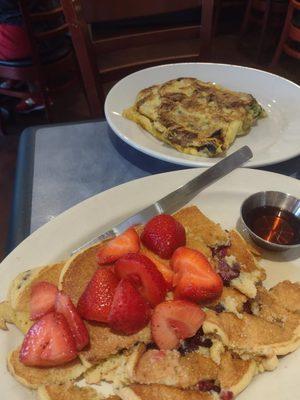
pixel 274 225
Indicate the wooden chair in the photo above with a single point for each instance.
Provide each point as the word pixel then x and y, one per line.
pixel 47 73
pixel 290 34
pixel 117 52
pixel 263 13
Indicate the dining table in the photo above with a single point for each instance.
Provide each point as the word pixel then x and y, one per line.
pixel 60 165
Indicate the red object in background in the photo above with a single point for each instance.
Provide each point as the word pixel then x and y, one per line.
pixel 14 43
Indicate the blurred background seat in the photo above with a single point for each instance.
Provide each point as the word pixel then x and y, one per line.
pixel 290 38
pixel 114 38
pixel 52 65
pixel 264 14
pixel 223 5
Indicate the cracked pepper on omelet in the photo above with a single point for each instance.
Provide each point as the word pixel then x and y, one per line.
pixel 195 117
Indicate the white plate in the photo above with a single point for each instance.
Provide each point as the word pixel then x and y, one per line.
pixel 274 139
pixel 221 202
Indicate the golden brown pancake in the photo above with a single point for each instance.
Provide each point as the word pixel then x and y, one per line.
pixel 16 309
pixel 251 274
pixel 240 249
pixel 69 392
pixel 104 342
pixel 19 292
pixel 185 372
pixel 18 318
pixel 252 335
pixel 201 232
pixel 7 314
pixel 267 306
pixel 172 369
pixel 161 392
pixel 231 299
pixel 288 295
pixel 235 374
pixel 33 377
pixel 78 271
pixel 117 369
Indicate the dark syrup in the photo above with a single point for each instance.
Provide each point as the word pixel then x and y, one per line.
pixel 274 225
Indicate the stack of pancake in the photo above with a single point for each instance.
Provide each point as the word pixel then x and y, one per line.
pixel 244 332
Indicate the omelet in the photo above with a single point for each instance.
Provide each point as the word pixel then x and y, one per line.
pixel 195 117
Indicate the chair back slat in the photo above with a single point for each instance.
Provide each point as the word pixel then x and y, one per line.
pixel 48 21
pixel 45 34
pixel 289 36
pixel 47 15
pixel 294 33
pixel 296 4
pixel 94 53
pixel 112 10
pixel 51 33
pixel 260 5
pixel 144 38
pixel 112 73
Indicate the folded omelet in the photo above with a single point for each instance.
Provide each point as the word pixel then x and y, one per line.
pixel 195 117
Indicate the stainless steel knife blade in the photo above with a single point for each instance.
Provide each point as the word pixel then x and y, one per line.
pixel 179 197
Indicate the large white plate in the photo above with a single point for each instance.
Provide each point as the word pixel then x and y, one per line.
pixel 221 202
pixel 274 139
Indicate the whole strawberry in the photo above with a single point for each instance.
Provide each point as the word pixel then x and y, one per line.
pixel 163 235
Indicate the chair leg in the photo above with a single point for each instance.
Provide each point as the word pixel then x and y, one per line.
pixel 245 22
pixel 1 125
pixel 218 7
pixel 95 104
pixel 48 107
pixel 283 36
pixel 278 52
pixel 263 31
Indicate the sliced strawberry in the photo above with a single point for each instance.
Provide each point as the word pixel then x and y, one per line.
pixel 127 242
pixel 173 321
pixel 42 299
pixel 65 306
pixel 49 342
pixel 129 311
pixel 161 265
pixel 163 234
pixel 194 278
pixel 144 275
pixel 95 302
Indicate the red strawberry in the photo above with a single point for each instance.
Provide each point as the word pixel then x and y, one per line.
pixel 42 299
pixel 173 321
pixel 144 275
pixel 129 311
pixel 127 242
pixel 65 306
pixel 195 279
pixel 163 234
pixel 95 302
pixel 48 342
pixel 161 265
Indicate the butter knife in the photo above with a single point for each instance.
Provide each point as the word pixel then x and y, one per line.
pixel 179 197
